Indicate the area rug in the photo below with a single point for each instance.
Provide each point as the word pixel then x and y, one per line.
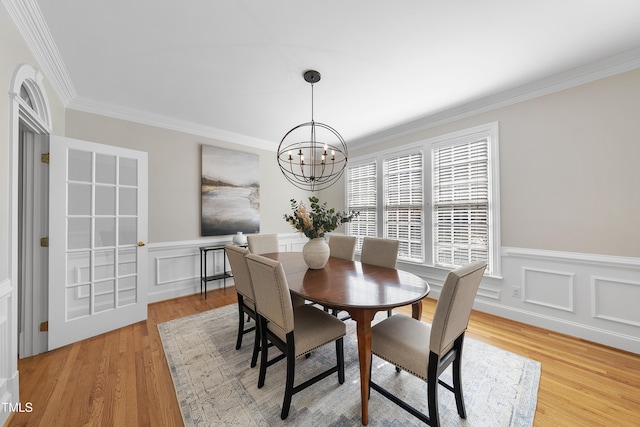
pixel 216 387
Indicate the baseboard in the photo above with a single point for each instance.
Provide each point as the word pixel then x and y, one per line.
pixel 588 333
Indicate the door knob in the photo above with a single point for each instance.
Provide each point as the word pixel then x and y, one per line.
pixel 141 243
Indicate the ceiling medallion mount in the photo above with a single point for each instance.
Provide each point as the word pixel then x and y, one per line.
pixel 312 156
pixel 311 76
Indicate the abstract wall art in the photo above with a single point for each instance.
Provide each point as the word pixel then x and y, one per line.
pixel 230 192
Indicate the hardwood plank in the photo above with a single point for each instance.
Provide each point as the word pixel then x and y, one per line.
pixel 122 377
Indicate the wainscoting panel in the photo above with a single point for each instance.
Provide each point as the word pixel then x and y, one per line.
pixel 616 300
pixel 174 267
pixel 5 337
pixel 548 288
pixel 593 297
pixel 178 268
pixel 8 351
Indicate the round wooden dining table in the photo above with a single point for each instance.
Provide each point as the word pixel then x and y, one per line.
pixel 360 289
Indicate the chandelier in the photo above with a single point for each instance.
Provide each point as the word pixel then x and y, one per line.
pixel 312 156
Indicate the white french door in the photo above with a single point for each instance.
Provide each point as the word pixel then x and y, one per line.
pixel 97 235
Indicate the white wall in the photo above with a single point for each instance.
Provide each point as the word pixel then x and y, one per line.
pixel 14 53
pixel 593 297
pixel 568 167
pixel 570 203
pixel 568 197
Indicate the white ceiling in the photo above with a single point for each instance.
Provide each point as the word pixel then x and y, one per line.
pixel 234 68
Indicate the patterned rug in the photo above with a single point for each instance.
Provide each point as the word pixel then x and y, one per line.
pixel 216 387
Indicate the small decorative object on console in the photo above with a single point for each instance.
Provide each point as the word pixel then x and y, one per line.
pixel 239 239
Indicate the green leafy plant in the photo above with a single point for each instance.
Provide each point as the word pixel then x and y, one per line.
pixel 317 220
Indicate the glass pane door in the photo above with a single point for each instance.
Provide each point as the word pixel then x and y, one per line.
pixel 103 218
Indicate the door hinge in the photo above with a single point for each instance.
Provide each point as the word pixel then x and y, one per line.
pixel 44 326
pixel 44 157
pixel 44 242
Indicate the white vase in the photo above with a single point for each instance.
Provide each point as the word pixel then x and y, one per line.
pixel 316 253
pixel 239 239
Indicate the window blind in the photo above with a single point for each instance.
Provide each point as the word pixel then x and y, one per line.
pixel 461 203
pixel 362 197
pixel 403 204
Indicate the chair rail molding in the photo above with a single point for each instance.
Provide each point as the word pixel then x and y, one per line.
pixel 589 296
pixel 174 267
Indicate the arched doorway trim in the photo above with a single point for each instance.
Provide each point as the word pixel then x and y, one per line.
pixel 32 111
pixel 37 115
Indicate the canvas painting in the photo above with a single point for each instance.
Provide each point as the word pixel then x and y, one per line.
pixel 230 192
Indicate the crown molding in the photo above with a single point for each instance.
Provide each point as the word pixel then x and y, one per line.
pixel 34 30
pixel 611 66
pixel 165 122
pixel 613 261
pixel 28 18
pixel 627 61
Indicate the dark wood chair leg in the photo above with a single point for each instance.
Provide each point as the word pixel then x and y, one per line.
pixel 291 368
pixel 432 390
pixel 457 379
pixel 256 345
pixel 240 323
pixel 340 360
pixel 264 351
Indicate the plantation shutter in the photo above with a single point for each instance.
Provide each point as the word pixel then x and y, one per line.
pixel 461 203
pixel 362 197
pixel 403 203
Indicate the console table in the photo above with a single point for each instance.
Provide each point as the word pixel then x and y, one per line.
pixel 204 279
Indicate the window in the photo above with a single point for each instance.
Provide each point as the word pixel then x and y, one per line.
pixel 361 197
pixel 403 206
pixel 457 173
pixel 24 94
pixel 461 202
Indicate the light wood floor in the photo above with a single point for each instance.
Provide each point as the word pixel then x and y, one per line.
pixel 121 378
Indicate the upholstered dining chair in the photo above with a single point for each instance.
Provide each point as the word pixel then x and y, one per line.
pixel 380 252
pixel 426 350
pixel 294 331
pixel 342 246
pixel 262 243
pixel 246 300
pixel 265 244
